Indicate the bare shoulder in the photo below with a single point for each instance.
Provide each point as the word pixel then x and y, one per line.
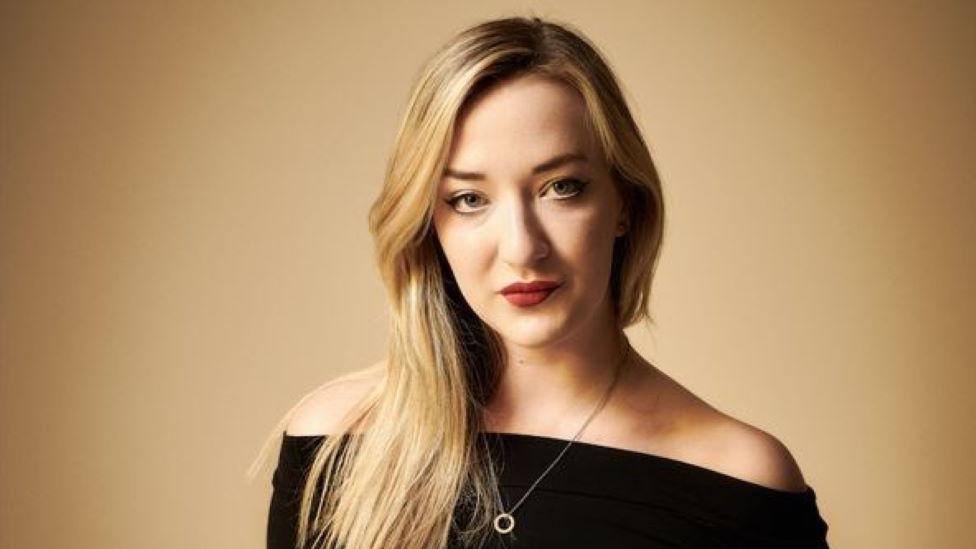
pixel 749 453
pixel 687 428
pixel 320 411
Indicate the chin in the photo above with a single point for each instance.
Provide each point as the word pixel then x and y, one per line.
pixel 534 332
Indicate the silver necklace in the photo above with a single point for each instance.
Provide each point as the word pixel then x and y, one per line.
pixel 506 517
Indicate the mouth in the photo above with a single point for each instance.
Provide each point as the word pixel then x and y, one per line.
pixel 529 298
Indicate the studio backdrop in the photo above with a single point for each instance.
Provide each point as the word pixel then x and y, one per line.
pixel 184 248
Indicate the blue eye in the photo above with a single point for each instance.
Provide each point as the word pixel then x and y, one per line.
pixel 453 201
pixel 574 183
pixel 559 185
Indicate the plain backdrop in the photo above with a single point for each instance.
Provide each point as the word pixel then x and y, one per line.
pixel 184 249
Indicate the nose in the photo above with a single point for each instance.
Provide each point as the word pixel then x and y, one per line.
pixel 522 238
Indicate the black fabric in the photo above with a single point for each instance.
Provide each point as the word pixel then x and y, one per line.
pixel 602 497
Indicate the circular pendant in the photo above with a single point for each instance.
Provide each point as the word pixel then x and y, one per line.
pixel 504 517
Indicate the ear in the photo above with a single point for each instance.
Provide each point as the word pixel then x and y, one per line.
pixel 623 225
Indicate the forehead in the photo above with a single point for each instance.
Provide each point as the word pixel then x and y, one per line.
pixel 518 123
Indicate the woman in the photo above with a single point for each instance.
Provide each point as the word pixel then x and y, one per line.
pixel 517 234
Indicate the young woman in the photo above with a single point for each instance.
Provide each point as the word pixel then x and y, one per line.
pixel 517 234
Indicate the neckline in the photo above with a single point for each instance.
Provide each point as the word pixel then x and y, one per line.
pixel 632 455
pixel 648 457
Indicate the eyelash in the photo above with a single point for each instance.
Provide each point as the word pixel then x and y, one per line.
pixel 578 183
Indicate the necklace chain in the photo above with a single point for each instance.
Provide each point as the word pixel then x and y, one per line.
pixel 507 516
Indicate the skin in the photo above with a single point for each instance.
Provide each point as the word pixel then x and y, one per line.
pixel 499 222
pixel 526 226
pixel 513 225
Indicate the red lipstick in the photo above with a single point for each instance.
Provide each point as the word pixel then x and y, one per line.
pixel 526 294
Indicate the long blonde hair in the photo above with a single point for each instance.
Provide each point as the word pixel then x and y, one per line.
pixel 398 482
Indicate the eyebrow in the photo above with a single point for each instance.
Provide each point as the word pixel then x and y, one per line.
pixel 550 164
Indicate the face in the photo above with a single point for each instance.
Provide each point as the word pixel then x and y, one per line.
pixel 526 197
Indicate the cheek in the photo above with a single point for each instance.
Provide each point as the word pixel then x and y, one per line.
pixel 466 258
pixel 585 238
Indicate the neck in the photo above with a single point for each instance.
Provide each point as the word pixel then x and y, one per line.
pixel 553 389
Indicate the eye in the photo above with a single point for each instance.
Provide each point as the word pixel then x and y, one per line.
pixel 459 198
pixel 566 189
pixel 570 183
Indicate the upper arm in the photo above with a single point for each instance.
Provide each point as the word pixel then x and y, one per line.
pixel 321 411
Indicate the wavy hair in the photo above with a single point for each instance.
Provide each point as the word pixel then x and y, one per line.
pixel 414 474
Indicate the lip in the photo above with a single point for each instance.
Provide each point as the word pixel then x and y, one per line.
pixel 535 286
pixel 527 294
pixel 528 299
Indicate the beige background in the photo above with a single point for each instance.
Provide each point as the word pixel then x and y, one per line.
pixel 184 251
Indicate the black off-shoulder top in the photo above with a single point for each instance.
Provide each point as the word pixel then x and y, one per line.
pixel 600 497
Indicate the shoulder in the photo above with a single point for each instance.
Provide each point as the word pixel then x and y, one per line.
pixel 749 453
pixel 683 426
pixel 323 409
